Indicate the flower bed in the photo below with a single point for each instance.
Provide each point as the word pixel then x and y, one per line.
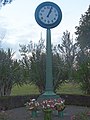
pixel 47 106
pixel 55 104
pixel 32 104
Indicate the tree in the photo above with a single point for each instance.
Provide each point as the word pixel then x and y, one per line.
pixel 83 76
pixel 68 51
pixel 60 73
pixel 4 2
pixel 10 72
pixel 83 31
pixel 83 56
pixel 83 69
pixel 34 58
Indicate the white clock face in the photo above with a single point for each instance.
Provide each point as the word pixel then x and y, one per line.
pixel 48 14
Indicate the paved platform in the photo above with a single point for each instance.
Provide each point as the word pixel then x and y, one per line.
pixel 23 114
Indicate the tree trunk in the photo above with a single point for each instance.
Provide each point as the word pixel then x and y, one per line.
pixel 7 89
pixel 88 90
pixel 2 90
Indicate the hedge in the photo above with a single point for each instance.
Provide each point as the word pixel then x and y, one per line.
pixel 80 100
pixel 10 102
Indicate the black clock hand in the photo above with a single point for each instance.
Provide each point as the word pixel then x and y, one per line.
pixel 49 12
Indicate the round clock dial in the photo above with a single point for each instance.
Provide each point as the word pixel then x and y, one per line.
pixel 48 15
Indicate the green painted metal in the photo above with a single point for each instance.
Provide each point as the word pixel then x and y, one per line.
pixel 49 77
pixel 47 114
pixel 48 94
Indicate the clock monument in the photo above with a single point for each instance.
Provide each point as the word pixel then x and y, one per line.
pixel 48 15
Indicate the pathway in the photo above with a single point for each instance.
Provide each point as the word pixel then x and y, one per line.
pixel 23 114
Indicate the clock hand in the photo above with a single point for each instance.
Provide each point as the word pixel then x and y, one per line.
pixel 49 12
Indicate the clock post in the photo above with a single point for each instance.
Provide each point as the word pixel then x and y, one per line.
pixel 48 15
pixel 49 77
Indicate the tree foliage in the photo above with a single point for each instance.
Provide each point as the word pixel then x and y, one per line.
pixel 34 61
pixel 68 51
pixel 60 73
pixel 83 76
pixel 83 30
pixel 83 56
pixel 10 72
pixel 4 2
pixel 34 56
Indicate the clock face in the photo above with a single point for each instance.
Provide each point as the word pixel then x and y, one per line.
pixel 48 15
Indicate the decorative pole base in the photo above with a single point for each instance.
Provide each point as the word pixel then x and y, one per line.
pixel 48 95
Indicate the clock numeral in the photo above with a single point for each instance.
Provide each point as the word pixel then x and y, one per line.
pixel 48 21
pixel 42 10
pixel 44 20
pixel 55 14
pixel 44 7
pixel 52 21
pixel 48 7
pixel 54 18
pixel 41 14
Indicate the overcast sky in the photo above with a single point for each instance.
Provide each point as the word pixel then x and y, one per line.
pixel 18 24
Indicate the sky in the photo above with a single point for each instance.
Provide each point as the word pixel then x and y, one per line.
pixel 18 25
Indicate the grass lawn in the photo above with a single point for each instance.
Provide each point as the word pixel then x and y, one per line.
pixel 24 90
pixel 32 89
pixel 70 89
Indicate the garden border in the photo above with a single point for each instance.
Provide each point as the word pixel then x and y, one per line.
pixel 10 102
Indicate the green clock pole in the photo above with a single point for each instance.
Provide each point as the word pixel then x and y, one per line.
pixel 48 93
pixel 49 78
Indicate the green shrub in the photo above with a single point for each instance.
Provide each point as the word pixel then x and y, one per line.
pixel 3 115
pixel 80 116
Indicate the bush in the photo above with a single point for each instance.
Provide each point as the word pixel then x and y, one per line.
pixel 4 115
pixel 80 116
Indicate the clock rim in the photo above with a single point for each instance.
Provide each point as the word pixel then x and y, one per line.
pixel 48 26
